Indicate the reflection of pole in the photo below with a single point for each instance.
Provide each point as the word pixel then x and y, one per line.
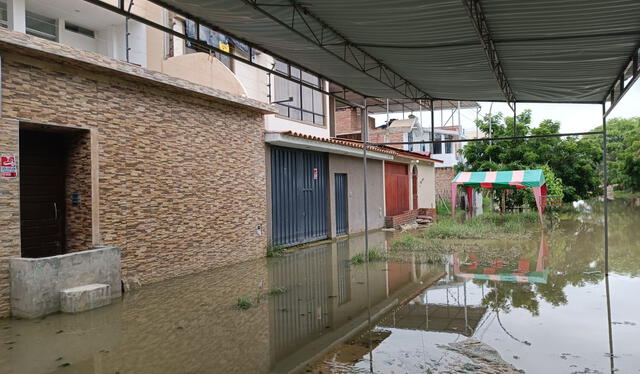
pixel 606 283
pixel 466 320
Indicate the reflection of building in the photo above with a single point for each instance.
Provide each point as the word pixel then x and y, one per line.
pixel 326 297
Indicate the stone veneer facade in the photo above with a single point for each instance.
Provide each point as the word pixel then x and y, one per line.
pixel 178 170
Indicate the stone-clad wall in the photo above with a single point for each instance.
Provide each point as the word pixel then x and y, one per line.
pixel 181 176
pixel 9 213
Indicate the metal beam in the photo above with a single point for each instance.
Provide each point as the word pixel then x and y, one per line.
pixel 494 139
pixel 479 21
pixel 314 30
pixel 630 72
pixel 200 45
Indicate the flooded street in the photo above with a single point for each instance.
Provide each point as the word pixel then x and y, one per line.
pixel 534 306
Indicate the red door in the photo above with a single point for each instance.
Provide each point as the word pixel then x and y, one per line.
pixel 396 182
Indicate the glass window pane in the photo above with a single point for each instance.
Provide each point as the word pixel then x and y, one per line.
pixel 307 99
pixel 281 67
pixel 295 114
pixel 318 102
pixel 308 117
pixel 283 110
pixel 295 73
pixel 318 120
pixel 280 89
pixel 294 92
pixel 311 79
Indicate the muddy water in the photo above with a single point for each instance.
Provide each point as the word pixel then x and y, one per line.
pixel 302 303
pixel 538 305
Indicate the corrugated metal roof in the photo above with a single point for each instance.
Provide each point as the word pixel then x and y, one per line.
pixel 551 50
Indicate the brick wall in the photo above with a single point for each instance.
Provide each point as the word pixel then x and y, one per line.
pixel 444 176
pixel 349 121
pixel 401 219
pixel 181 173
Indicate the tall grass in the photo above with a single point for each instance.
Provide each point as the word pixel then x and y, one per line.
pixel 485 226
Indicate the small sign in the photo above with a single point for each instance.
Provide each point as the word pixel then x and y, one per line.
pixel 8 166
pixel 224 46
pixel 315 174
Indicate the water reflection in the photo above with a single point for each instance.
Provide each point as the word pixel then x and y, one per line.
pixel 541 305
pixel 304 303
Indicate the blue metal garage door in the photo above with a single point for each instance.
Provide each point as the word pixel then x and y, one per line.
pixel 342 215
pixel 298 196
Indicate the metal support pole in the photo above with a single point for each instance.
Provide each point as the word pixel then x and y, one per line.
pixel 432 125
pixel 515 130
pixel 365 141
pixel 606 190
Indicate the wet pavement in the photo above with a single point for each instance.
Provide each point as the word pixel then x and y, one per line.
pixel 540 306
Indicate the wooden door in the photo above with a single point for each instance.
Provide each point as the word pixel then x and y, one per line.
pixel 396 181
pixel 42 194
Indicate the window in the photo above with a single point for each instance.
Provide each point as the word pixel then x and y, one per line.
pixel 306 104
pixel 410 139
pixel 37 25
pixel 210 37
pixel 437 146
pixel 448 147
pixel 79 30
pixel 41 26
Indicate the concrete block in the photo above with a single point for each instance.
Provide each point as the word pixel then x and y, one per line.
pixel 87 297
pixel 36 282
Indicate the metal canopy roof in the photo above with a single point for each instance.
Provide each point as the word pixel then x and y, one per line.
pixel 538 51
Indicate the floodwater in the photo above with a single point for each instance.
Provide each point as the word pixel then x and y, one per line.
pixel 537 306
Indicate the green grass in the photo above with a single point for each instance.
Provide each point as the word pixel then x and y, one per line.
pixel 277 291
pixel 374 256
pixel 485 226
pixel 243 303
pixel 275 250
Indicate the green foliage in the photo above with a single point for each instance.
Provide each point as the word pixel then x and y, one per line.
pixel 243 303
pixel 623 151
pixel 573 161
pixel 275 250
pixel 375 255
pixel 485 226
pixel 277 291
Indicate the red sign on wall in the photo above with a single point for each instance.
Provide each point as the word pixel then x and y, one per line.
pixel 315 174
pixel 8 166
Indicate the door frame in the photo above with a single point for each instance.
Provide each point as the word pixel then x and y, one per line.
pixel 92 133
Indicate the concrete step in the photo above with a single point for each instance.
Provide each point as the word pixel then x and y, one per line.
pixel 83 298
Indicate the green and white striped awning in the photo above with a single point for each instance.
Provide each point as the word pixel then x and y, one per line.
pixel 501 179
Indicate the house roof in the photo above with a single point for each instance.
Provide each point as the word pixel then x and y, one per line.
pixel 423 156
pixel 339 141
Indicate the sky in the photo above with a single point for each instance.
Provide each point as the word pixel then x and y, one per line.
pixel 572 117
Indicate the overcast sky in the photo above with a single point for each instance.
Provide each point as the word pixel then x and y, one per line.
pixel 572 117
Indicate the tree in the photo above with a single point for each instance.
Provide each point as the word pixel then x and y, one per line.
pixel 623 151
pixel 573 162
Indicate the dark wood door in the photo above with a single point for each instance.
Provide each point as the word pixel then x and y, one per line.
pixel 42 193
pixel 396 183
